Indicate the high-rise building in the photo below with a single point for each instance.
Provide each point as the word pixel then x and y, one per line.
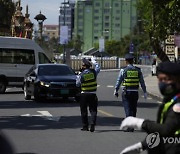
pixel 110 19
pixel 66 17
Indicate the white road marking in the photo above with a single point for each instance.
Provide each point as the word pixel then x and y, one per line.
pixel 110 86
pixel 43 114
pixel 106 113
pixel 98 85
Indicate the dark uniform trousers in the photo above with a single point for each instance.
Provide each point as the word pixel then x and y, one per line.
pixel 88 100
pixel 129 100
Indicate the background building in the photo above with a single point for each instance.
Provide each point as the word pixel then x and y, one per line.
pixel 66 16
pixel 110 19
pixel 51 31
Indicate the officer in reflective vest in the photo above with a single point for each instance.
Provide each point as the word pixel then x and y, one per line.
pixel 87 81
pixel 164 135
pixel 130 77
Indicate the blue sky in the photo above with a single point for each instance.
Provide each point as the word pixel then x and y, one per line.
pixel 50 8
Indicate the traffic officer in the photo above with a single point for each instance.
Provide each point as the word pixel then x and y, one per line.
pixel 130 76
pixel 167 127
pixel 87 81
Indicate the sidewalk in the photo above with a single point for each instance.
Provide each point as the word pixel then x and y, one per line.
pixel 152 86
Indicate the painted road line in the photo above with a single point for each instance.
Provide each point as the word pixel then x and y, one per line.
pixel 110 86
pixel 43 114
pixel 98 85
pixel 106 113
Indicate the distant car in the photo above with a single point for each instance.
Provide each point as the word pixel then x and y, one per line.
pixel 50 81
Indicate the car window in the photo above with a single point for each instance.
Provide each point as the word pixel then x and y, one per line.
pixel 17 56
pixel 55 70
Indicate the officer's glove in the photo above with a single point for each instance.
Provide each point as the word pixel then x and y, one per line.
pixel 133 149
pixel 116 93
pixel 131 122
pixel 145 95
pixel 93 61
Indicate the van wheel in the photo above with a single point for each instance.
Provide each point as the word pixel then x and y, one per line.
pixel 2 87
pixel 26 96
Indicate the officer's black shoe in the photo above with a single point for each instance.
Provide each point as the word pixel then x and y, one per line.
pixel 129 130
pixel 92 128
pixel 85 128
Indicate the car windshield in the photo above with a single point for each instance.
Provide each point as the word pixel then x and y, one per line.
pixel 54 70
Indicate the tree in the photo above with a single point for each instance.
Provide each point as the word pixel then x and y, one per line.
pixel 160 19
pixel 7 8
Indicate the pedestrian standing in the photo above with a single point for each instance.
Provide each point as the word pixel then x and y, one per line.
pixel 130 77
pixel 87 80
pixel 164 134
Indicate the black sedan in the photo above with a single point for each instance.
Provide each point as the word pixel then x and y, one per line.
pixel 50 81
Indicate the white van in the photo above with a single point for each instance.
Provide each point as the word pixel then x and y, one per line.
pixel 17 56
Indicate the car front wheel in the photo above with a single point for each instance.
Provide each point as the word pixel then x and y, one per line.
pixel 26 96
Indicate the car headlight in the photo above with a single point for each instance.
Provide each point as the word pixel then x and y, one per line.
pixel 46 84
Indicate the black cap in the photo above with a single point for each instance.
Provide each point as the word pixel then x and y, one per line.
pixel 129 56
pixel 169 68
pixel 86 62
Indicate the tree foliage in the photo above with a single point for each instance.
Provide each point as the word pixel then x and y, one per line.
pixel 160 19
pixel 7 8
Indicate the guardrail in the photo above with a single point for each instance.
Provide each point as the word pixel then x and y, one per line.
pixel 105 62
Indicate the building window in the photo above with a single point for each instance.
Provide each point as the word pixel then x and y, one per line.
pixel 96 11
pixel 96 31
pixel 118 11
pixel 106 37
pixel 80 17
pixel 95 37
pixel 106 17
pixel 116 4
pixel 80 10
pixel 117 25
pixel 117 18
pixel 96 24
pixel 106 11
pixel 107 4
pixel 96 17
pixel 106 24
pixel 97 4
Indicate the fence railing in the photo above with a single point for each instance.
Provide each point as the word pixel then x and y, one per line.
pixel 105 62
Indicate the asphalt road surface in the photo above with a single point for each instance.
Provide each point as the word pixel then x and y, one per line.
pixel 53 127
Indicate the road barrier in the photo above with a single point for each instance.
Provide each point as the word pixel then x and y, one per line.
pixel 105 62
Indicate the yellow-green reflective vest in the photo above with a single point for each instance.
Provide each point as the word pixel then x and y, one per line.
pixel 89 83
pixel 131 78
pixel 165 109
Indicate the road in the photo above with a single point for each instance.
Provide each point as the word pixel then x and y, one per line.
pixel 54 127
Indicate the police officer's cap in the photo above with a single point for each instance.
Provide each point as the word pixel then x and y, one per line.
pixel 169 68
pixel 86 62
pixel 129 56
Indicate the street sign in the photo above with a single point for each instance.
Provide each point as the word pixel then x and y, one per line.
pixel 101 45
pixel 63 34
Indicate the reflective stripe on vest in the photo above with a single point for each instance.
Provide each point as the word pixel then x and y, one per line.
pixel 89 84
pixel 165 109
pixel 131 79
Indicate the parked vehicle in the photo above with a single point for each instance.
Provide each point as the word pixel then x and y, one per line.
pixel 17 56
pixel 50 81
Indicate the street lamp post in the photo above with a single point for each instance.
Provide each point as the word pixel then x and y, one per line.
pixel 40 19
